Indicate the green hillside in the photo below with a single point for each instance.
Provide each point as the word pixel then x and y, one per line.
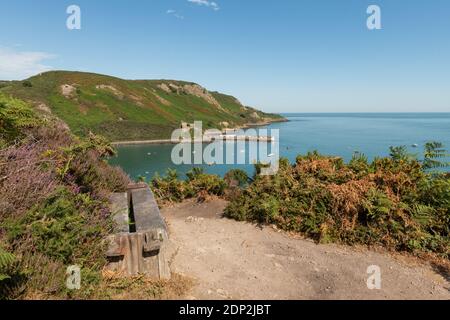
pixel 130 109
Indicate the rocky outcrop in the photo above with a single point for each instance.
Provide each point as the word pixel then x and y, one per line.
pixel 68 90
pixel 192 89
pixel 112 89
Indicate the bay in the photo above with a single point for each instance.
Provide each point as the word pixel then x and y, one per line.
pixel 337 134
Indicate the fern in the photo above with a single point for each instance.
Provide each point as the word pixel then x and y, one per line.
pixel 379 205
pixel 422 214
pixel 401 153
pixel 434 155
pixel 6 261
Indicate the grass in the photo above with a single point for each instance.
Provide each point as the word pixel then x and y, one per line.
pixel 116 287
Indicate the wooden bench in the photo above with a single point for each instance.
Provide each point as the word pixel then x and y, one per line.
pixel 138 245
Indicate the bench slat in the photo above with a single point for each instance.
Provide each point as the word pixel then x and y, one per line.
pixel 119 209
pixel 147 216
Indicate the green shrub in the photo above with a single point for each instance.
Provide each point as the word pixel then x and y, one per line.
pixel 392 201
pixel 198 181
pixel 170 188
pixel 27 84
pixel 67 228
pixel 60 227
pixel 237 178
pixel 53 204
pixel 15 117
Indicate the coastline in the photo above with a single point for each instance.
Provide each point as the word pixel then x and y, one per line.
pixel 169 141
pixel 138 142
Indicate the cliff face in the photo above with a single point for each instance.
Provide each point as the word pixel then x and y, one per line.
pixel 131 109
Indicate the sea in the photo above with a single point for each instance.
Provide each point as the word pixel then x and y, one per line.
pixel 334 134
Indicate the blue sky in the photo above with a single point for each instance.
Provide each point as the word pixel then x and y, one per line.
pixel 279 56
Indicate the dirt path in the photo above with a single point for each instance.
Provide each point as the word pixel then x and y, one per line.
pixel 233 260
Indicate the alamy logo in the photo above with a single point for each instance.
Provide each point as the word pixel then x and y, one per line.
pixel 374 280
pixel 73 280
pixel 229 147
pixel 73 22
pixel 374 20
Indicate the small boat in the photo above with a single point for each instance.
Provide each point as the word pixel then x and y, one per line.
pixel 242 151
pixel 271 155
pixel 149 154
pixel 415 145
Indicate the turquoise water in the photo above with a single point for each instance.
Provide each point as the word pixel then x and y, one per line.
pixel 331 134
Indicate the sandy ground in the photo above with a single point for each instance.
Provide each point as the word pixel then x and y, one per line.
pixel 234 260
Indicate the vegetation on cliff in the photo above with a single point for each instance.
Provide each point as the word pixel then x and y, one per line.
pixel 124 110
